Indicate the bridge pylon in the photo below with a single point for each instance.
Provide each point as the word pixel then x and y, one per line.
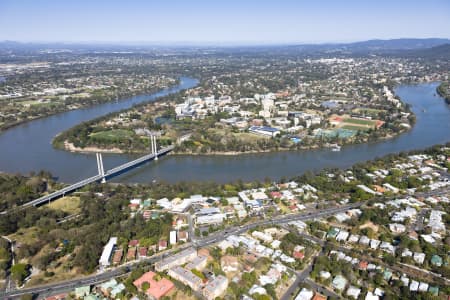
pixel 101 170
pixel 153 146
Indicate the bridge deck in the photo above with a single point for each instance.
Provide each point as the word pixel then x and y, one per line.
pixel 111 173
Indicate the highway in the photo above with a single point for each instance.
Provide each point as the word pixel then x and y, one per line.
pixel 54 288
pixel 65 286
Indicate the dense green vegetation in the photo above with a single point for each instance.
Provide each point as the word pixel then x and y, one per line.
pixel 16 190
pixel 104 212
pixel 444 91
pixel 5 257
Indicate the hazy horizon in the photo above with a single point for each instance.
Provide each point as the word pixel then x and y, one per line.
pixel 221 23
pixel 208 43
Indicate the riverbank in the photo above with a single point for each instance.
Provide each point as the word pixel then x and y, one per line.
pixel 71 147
pixel 443 90
pixel 93 149
pixel 432 127
pixel 66 108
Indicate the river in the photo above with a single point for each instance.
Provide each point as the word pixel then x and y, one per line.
pixel 28 147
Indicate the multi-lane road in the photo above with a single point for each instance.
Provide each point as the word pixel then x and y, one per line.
pixel 55 288
pixel 65 286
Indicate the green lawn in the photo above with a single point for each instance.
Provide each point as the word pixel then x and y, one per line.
pixel 113 135
pixel 359 122
pixel 70 205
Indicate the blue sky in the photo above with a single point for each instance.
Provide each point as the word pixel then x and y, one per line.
pixel 222 21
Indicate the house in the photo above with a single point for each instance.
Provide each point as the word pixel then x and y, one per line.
pixel 353 291
pixel 62 296
pixel 229 263
pixel 203 252
pixel 434 290
pixel 117 258
pixel 305 294
pixel 404 280
pixel 368 190
pixel 423 287
pixel 353 238
pixel 108 286
pixel 387 275
pixel 162 245
pixel 158 288
pixel 262 236
pixel 414 286
pixel 318 296
pixel 419 257
pixel 256 289
pixel 387 247
pixel 325 274
pixel 363 265
pixel 378 292
pixel 332 233
pixel 142 252
pixel 339 282
pixel 183 236
pixel 133 243
pixel 379 189
pixel 275 244
pixel 397 228
pixel 82 291
pixel 224 245
pixel 215 287
pixel 374 244
pixel 436 260
pixel 298 252
pixel 342 236
pixel 371 296
pixel 117 290
pixel 131 254
pixel 391 188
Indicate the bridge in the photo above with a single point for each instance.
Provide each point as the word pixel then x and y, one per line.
pixel 102 176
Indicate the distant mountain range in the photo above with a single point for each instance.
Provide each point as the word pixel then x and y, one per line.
pixel 397 44
pixel 429 47
pixel 441 51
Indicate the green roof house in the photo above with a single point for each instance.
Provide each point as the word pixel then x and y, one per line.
pixel 332 233
pixel 436 260
pixel 82 291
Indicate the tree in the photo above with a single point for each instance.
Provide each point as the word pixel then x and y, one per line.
pixel 19 272
pixel 145 286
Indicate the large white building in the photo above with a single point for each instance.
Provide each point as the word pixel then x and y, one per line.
pixel 173 237
pixel 107 251
pixel 264 130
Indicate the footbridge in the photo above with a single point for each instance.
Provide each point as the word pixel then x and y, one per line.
pixel 102 176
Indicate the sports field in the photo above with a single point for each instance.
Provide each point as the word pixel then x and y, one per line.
pixel 360 122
